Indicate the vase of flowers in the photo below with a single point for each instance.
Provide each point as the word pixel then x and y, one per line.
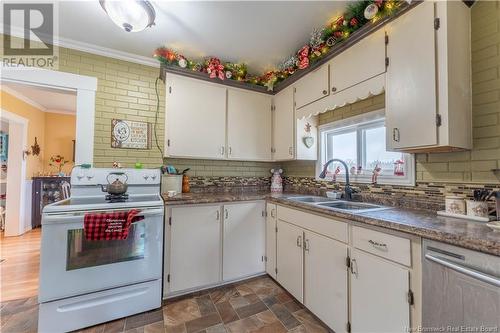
pixel 58 161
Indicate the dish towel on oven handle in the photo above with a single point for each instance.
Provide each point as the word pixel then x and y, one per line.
pixel 109 226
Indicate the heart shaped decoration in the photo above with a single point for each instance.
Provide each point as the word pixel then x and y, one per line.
pixel 308 141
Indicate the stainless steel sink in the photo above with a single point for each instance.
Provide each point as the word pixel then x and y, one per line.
pixel 357 207
pixel 311 199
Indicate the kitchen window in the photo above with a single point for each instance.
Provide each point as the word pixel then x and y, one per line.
pixel 360 142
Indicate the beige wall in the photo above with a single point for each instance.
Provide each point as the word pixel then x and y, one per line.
pixel 36 128
pixel 125 90
pixel 60 130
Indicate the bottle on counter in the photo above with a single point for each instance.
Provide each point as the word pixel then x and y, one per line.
pixel 185 183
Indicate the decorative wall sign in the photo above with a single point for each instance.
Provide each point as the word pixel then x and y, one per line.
pixel 130 134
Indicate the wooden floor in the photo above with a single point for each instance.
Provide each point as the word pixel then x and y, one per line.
pixel 20 261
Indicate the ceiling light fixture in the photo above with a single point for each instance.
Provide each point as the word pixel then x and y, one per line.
pixel 130 15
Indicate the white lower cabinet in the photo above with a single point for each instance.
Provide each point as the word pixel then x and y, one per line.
pixel 379 295
pixel 195 247
pixel 243 240
pixel 207 245
pixel 354 279
pixel 290 258
pixel 325 280
pixel 271 240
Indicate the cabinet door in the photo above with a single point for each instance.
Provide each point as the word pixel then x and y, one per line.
pixel 379 291
pixel 410 105
pixel 289 259
pixel 244 240
pixel 271 240
pixel 359 63
pixel 325 280
pixel 195 247
pixel 195 118
pixel 283 125
pixel 248 125
pixel 312 87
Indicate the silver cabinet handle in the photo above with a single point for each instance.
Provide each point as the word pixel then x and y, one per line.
pixel 299 241
pixel 226 214
pixel 222 149
pixel 218 215
pixel 354 267
pixel 490 279
pixel 306 245
pixel 395 134
pixel 230 150
pixel 379 246
pixel 325 92
pixel 290 151
pixel 273 215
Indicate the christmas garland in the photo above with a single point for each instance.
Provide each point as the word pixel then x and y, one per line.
pixel 321 41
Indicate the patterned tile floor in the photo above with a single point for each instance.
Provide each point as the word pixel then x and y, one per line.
pixel 258 305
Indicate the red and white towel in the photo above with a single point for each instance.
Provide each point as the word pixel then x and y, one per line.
pixel 109 226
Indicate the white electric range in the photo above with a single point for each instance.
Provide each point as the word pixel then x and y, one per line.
pixel 82 282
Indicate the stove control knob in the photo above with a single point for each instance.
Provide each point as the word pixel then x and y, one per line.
pixel 153 177
pixel 145 177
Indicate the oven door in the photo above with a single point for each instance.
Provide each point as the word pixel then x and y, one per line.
pixel 71 265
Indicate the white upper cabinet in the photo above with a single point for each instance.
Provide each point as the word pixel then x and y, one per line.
pixel 283 125
pixel 248 125
pixel 358 63
pixel 312 87
pixel 195 118
pixel 428 105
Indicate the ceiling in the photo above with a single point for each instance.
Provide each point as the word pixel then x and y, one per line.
pixel 259 33
pixel 45 99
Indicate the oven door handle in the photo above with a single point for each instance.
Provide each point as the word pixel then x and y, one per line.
pixel 490 279
pixel 72 217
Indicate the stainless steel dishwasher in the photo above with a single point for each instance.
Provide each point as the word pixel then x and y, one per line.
pixel 460 289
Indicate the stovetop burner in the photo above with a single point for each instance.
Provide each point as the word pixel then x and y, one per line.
pixel 116 197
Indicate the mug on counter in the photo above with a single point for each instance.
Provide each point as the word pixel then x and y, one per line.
pixel 477 208
pixel 455 205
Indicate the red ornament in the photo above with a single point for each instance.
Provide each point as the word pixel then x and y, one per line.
pixel 338 34
pixel 353 22
pixel 379 3
pixel 303 57
pixel 215 69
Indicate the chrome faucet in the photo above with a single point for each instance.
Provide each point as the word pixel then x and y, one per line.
pixel 348 190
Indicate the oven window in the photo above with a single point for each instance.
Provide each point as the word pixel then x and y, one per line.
pixel 84 253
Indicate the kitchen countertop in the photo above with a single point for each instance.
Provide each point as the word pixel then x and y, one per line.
pixel 465 233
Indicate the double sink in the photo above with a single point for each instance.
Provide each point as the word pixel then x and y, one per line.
pixel 337 205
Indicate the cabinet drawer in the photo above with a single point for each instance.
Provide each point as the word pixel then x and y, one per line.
pixel 319 224
pixel 381 244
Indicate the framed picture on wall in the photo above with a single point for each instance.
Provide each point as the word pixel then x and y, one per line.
pixel 130 134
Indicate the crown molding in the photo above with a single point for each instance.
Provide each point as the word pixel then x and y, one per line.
pixel 91 48
pixel 106 52
pixel 23 98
